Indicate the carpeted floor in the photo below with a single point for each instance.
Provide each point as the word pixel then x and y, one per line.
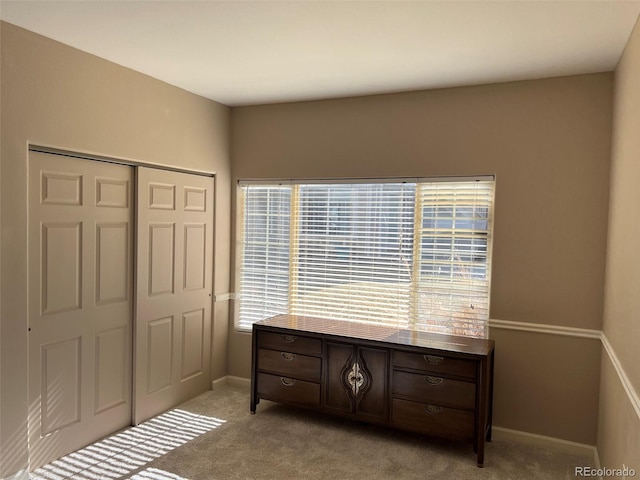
pixel 214 436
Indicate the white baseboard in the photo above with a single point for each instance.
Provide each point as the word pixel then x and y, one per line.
pixel 231 380
pixel 218 382
pixel 239 381
pixel 575 448
pixel 21 475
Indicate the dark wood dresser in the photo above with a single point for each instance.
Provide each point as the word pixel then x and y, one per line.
pixel 434 384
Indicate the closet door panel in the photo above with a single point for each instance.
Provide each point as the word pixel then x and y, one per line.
pixel 80 302
pixel 174 287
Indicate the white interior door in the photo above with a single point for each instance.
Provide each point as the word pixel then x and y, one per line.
pixel 173 289
pixel 80 303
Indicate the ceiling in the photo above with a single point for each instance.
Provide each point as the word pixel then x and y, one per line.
pixel 255 52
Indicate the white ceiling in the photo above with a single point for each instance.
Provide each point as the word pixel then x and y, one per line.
pixel 254 52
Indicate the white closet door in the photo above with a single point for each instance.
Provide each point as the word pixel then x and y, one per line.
pixel 80 303
pixel 174 286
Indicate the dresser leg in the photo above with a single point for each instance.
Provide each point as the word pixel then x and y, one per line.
pixel 481 455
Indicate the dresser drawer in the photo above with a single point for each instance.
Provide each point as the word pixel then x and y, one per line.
pixel 435 364
pixel 432 419
pixel 432 389
pixel 289 364
pixel 288 390
pixel 290 343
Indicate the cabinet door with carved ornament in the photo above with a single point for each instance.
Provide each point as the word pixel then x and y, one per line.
pixel 356 381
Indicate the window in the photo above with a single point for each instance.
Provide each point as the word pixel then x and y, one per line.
pixel 411 254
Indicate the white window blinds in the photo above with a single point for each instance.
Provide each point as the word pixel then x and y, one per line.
pixel 264 270
pixel 452 266
pixel 353 250
pixel 413 254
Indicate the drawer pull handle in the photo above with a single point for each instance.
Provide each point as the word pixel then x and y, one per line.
pixel 356 378
pixel 289 338
pixel 287 382
pixel 432 409
pixel 433 360
pixel 288 356
pixel 433 380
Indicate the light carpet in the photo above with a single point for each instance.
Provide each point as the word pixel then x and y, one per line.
pixel 285 443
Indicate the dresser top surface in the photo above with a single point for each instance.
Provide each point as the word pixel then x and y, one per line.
pixel 380 333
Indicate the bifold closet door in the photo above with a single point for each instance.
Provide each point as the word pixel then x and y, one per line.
pixel 173 289
pixel 80 303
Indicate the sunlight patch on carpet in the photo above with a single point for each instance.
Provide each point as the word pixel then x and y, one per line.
pixel 128 451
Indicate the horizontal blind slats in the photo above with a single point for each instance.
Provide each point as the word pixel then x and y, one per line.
pixel 352 239
pixel 264 275
pixel 454 257
pixel 353 255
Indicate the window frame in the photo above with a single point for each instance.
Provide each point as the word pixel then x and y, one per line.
pixel 239 218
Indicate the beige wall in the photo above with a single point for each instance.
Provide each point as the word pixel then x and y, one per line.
pixel 2 455
pixel 548 142
pixel 618 423
pixel 58 96
pixel 547 384
pixel 619 430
